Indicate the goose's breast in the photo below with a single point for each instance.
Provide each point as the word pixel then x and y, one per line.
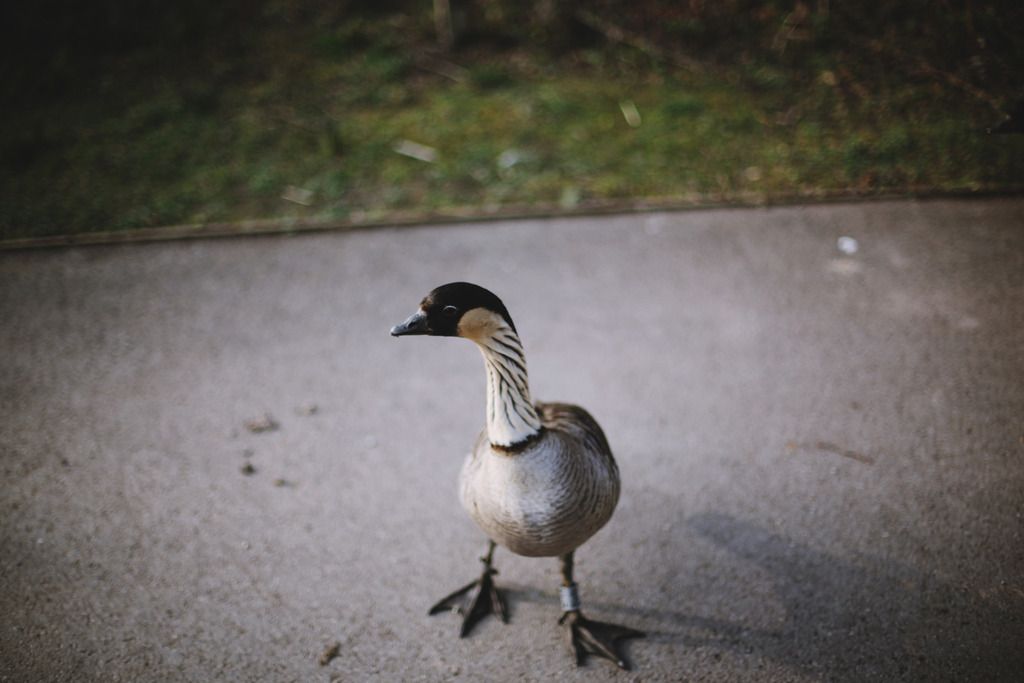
pixel 542 502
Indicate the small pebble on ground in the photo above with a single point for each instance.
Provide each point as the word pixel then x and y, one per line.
pixel 329 653
pixel 264 423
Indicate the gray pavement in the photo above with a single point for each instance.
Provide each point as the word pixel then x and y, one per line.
pixel 821 453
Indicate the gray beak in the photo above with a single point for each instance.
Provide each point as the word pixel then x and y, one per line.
pixel 414 324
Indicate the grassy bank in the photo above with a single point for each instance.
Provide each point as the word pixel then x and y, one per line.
pixel 364 116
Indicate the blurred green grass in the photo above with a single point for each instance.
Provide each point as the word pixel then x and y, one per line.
pixel 311 131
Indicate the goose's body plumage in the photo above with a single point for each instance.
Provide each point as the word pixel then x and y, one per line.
pixel 541 479
pixel 548 497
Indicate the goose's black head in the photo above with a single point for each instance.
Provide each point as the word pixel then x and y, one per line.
pixel 443 312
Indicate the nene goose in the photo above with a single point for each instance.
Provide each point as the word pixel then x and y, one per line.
pixel 541 479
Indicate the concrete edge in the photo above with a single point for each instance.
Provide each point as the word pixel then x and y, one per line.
pixel 467 214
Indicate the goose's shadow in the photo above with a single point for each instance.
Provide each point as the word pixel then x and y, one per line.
pixel 829 617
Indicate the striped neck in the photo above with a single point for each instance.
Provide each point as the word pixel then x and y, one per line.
pixel 511 417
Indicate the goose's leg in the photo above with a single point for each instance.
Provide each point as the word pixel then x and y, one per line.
pixel 485 598
pixel 586 636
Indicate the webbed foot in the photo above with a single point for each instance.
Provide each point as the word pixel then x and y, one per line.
pixel 595 637
pixel 485 598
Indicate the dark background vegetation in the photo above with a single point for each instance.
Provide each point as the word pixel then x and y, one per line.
pixel 122 115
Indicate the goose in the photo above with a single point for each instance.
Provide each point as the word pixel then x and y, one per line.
pixel 541 478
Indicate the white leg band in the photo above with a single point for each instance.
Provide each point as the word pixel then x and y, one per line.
pixel 570 599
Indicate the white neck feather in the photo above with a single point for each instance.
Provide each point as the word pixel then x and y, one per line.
pixel 511 417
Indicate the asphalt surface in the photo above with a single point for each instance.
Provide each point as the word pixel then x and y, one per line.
pixel 821 452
